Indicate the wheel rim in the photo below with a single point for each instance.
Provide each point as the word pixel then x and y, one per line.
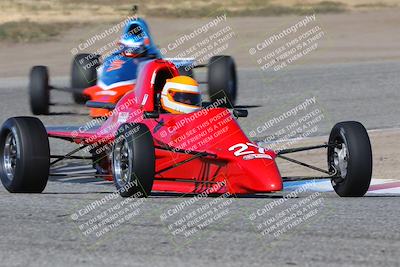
pixel 122 162
pixel 340 159
pixel 10 156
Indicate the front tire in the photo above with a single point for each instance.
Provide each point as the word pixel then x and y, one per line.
pixel 222 81
pixel 39 90
pixel 351 157
pixel 83 74
pixel 24 155
pixel 133 160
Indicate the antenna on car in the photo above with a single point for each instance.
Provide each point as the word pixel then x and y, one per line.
pixel 135 9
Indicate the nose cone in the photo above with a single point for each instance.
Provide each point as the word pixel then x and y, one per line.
pixel 255 176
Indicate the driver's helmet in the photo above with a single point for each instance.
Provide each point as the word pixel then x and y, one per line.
pixel 180 95
pixel 134 40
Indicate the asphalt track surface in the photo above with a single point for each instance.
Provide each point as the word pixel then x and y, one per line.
pixel 39 230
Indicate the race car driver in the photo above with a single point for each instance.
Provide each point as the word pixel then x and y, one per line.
pixel 134 42
pixel 181 95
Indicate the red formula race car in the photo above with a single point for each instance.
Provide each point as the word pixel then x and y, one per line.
pixel 143 149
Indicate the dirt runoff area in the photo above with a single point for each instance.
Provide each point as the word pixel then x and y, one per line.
pixel 348 37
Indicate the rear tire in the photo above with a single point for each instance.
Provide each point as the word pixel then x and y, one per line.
pixel 352 158
pixel 133 160
pixel 24 155
pixel 222 81
pixel 39 90
pixel 83 74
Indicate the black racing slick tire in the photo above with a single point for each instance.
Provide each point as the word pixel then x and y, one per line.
pixel 24 155
pixel 83 74
pixel 222 80
pixel 133 160
pixel 39 90
pixel 351 157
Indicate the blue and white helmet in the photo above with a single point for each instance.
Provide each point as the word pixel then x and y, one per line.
pixel 136 38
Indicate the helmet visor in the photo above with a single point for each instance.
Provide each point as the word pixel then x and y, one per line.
pixel 192 99
pixel 135 33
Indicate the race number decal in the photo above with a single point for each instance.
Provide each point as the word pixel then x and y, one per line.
pixel 249 151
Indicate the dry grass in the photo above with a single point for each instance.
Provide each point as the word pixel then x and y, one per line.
pixel 25 30
pixel 242 8
pixel 48 18
pixel 375 5
pixel 105 10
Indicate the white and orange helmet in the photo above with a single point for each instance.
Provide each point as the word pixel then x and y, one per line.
pixel 180 95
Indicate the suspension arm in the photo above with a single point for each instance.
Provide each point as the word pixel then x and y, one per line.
pixel 68 155
pixel 304 164
pixel 305 148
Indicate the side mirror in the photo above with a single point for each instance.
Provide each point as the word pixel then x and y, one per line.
pixel 240 113
pixel 151 115
pixel 104 105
